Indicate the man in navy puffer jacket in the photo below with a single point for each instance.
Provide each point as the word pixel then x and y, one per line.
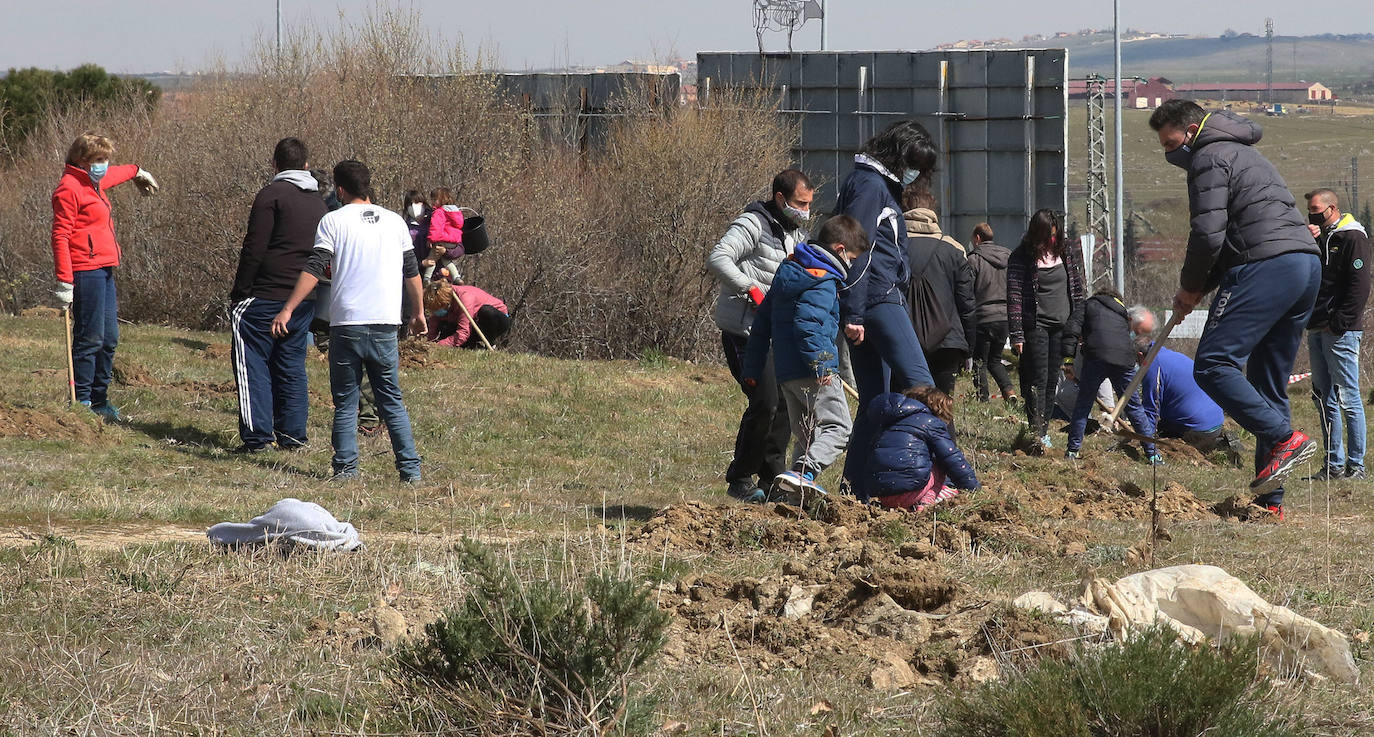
pixel 800 318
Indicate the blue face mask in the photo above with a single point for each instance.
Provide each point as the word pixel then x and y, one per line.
pixel 441 313
pixel 909 176
pixel 97 172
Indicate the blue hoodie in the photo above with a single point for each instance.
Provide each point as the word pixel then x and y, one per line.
pixel 799 317
pixel 1172 397
pixel 909 442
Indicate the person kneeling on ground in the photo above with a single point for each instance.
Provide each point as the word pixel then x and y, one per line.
pixel 1108 353
pixel 800 318
pixel 913 454
pixel 450 325
pixel 1179 408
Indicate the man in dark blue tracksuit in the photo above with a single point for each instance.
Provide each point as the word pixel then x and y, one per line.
pixel 269 372
pixel 886 352
pixel 1248 241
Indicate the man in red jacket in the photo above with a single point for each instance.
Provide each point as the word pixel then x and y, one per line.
pixel 85 255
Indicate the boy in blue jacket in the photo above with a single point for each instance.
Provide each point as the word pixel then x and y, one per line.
pixel 800 318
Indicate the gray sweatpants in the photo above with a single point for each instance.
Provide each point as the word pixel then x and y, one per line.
pixel 820 422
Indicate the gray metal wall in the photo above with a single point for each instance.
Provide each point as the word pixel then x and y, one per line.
pixel 583 107
pixel 997 116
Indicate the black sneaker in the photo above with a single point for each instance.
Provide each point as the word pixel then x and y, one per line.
pixel 251 449
pixel 1326 474
pixel 1354 474
pixel 746 490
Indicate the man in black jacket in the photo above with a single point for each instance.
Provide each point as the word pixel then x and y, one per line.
pixel 1335 331
pixel 1101 324
pixel 270 371
pixel 942 267
pixel 1248 241
pixel 988 262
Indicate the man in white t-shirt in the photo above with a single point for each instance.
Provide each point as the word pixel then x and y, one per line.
pixel 368 250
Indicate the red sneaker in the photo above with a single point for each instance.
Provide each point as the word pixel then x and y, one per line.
pixel 1285 456
pixel 1276 510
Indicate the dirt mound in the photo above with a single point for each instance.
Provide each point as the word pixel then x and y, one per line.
pixel 130 373
pixel 418 353
pixel 395 617
pixel 1115 502
pixel 1240 509
pixel 19 422
pixel 216 352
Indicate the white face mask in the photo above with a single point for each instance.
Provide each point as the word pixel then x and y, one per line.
pixel 416 210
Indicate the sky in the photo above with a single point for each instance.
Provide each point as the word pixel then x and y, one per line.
pixel 189 35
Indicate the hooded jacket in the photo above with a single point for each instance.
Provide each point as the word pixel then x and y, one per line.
pixel 1345 257
pixel 747 256
pixel 83 237
pixel 800 318
pixel 1240 206
pixel 923 221
pixel 1022 280
pixel 909 442
pixel 280 237
pixel 1172 398
pixel 1104 327
pixel 947 272
pixel 869 195
pixel 988 262
pixel 455 322
pixel 446 225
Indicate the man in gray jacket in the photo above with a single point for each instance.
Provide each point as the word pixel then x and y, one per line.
pixel 1248 241
pixel 744 262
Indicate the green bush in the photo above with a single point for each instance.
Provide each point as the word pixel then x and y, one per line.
pixel 537 657
pixel 1148 686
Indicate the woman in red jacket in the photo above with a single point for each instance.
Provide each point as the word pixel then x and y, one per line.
pixel 85 255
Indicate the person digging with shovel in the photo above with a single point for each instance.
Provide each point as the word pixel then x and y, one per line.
pixel 1250 243
pixel 85 255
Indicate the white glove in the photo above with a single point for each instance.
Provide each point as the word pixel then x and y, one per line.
pixel 146 184
pixel 64 294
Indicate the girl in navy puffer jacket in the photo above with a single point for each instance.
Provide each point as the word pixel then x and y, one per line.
pixel 913 454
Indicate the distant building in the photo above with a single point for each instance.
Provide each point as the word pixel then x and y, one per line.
pixel 1142 95
pixel 1291 92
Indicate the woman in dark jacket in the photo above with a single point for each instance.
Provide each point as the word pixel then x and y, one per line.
pixel 1044 283
pixel 873 312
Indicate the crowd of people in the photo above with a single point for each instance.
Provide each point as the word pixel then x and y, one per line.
pixel 315 261
pixel 881 283
pixel 876 302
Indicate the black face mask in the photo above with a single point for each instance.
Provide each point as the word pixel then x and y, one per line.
pixel 1180 157
pixel 1317 218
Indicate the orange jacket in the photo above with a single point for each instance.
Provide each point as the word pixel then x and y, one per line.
pixel 83 237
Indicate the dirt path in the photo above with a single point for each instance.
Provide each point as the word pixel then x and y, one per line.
pixel 117 536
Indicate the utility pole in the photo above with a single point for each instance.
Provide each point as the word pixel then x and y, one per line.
pixel 1099 201
pixel 278 33
pixel 1269 58
pixel 1119 252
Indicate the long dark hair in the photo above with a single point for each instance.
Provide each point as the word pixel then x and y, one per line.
pixel 1044 235
pixel 904 145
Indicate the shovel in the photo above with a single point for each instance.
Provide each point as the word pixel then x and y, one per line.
pixel 473 323
pixel 1140 375
pixel 71 372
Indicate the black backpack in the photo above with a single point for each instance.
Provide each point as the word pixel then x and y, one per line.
pixel 928 315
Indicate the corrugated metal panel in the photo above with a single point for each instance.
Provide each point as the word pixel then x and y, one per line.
pixel 582 107
pixel 984 161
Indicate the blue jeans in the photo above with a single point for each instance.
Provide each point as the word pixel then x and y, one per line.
pixel 1336 392
pixel 1257 319
pixel 95 333
pixel 270 372
pixel 889 357
pixel 1091 372
pixel 353 350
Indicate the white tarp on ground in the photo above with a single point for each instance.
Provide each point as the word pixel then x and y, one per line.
pixel 1205 601
pixel 289 522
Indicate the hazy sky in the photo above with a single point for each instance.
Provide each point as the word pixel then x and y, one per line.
pixel 155 35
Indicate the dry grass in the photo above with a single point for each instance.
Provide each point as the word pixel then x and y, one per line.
pixel 117 621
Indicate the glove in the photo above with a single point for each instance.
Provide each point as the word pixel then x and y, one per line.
pixel 64 294
pixel 756 296
pixel 146 184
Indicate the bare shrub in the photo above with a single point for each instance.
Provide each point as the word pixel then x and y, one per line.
pixel 599 253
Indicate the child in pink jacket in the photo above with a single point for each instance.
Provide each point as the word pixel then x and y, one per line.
pixel 449 324
pixel 445 237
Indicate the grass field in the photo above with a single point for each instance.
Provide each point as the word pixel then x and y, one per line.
pixel 117 617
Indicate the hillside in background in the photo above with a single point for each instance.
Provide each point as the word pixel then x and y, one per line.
pixel 1332 60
